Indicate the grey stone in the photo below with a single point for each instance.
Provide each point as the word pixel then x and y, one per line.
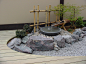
pixel 80 38
pixel 60 41
pixel 84 29
pixel 82 35
pixel 68 39
pixel 25 39
pixel 40 43
pixel 29 35
pixel 77 32
pixel 67 45
pixel 63 32
pixel 23 48
pixel 15 41
pixel 83 32
pixel 56 47
pixel 76 37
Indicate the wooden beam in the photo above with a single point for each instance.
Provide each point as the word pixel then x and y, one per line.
pixel 46 17
pixel 44 23
pixel 49 14
pixel 61 2
pixel 34 21
pixel 38 17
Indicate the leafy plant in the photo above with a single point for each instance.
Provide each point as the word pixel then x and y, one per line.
pixel 27 28
pixel 84 24
pixel 20 34
pixel 73 11
pixel 69 30
pixel 79 22
pixel 60 8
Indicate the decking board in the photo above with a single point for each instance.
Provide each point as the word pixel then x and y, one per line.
pixel 9 56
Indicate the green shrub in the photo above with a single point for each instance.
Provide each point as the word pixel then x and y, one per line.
pixel 84 23
pixel 79 22
pixel 27 28
pixel 20 34
pixel 69 30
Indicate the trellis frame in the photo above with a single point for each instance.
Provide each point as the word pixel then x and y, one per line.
pixel 47 11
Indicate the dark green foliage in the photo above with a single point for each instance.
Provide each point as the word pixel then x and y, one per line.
pixel 79 22
pixel 84 24
pixel 69 30
pixel 20 34
pixel 27 28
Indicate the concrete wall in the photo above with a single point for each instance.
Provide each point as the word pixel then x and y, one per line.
pixel 78 3
pixel 17 11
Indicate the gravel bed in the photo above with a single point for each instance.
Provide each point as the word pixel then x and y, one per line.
pixel 75 49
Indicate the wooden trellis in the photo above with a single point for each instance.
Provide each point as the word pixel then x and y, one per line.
pixel 47 11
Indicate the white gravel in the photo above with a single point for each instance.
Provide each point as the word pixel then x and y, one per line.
pixel 76 49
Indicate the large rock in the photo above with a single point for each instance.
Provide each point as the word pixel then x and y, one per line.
pixel 15 41
pixel 23 48
pixel 60 41
pixel 83 32
pixel 82 35
pixel 63 32
pixel 56 47
pixel 68 39
pixel 84 29
pixel 80 39
pixel 76 37
pixel 25 39
pixel 77 32
pixel 39 43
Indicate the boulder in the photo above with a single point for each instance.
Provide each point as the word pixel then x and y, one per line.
pixel 83 32
pixel 82 35
pixel 39 43
pixel 84 29
pixel 60 41
pixel 63 32
pixel 68 39
pixel 29 34
pixel 56 47
pixel 23 48
pixel 76 37
pixel 15 41
pixel 80 39
pixel 77 32
pixel 25 39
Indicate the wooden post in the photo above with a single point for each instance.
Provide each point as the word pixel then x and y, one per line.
pixel 34 20
pixel 56 15
pixel 38 17
pixel 49 15
pixel 46 17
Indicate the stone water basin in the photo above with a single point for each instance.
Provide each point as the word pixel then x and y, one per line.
pixel 50 30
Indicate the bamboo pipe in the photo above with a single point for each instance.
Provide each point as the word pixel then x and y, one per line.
pixel 43 23
pixel 46 17
pixel 34 20
pixel 38 17
pixel 59 12
pixel 40 11
pixel 56 15
pixel 56 18
pixel 49 14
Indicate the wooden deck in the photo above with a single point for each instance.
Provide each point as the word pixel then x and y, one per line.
pixel 8 56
